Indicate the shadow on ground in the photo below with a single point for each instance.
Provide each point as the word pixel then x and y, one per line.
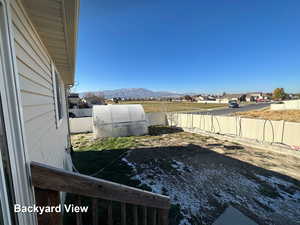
pixel 160 130
pixel 157 163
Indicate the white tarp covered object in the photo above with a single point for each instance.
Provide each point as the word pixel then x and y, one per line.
pixel 119 120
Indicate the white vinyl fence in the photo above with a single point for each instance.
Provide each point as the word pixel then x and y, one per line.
pixel 261 130
pixel 81 125
pixel 287 105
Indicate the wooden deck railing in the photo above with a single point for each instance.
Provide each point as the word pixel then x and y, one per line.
pixel 50 181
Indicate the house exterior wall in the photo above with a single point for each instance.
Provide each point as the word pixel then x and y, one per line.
pixel 46 138
pixel 223 100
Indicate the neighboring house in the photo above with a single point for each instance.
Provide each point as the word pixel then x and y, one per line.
pixel 256 96
pixel 74 100
pixel 267 96
pixel 207 99
pixel 211 98
pixel 200 98
pixel 223 100
pixel 251 97
pixel 228 97
pixel 77 107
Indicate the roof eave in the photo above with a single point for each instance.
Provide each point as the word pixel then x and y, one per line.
pixel 57 24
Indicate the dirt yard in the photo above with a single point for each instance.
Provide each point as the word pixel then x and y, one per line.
pixel 203 175
pixel 267 114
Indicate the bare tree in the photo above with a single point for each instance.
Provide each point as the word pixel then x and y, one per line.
pixel 94 98
pixel 92 94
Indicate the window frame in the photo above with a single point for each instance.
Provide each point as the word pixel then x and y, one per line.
pixel 58 90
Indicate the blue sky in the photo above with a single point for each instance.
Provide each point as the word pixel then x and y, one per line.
pixel 192 45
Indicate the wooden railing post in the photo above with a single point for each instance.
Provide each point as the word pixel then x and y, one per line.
pixel 144 215
pixel 48 198
pixel 135 215
pixel 123 213
pixel 95 211
pixel 154 220
pixel 163 217
pixel 78 215
pixel 109 213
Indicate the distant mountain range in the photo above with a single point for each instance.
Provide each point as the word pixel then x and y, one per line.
pixel 138 93
pixel 134 93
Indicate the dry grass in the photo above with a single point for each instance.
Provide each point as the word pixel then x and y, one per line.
pixel 267 114
pixel 164 106
pixel 164 137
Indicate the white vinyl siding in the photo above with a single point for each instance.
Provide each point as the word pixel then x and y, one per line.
pixel 45 141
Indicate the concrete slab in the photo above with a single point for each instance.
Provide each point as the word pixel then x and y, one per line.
pixel 232 216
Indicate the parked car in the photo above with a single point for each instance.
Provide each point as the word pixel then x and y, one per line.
pixel 233 104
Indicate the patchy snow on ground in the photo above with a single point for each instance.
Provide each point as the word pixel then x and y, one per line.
pixel 184 221
pixel 179 166
pixel 273 180
pixel 288 200
pixel 204 193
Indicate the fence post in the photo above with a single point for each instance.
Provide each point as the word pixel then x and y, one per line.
pixel 187 120
pixel 212 123
pixel 282 132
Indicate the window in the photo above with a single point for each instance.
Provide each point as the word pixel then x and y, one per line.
pixel 58 97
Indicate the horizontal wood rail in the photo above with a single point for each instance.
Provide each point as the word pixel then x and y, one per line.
pixel 57 180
